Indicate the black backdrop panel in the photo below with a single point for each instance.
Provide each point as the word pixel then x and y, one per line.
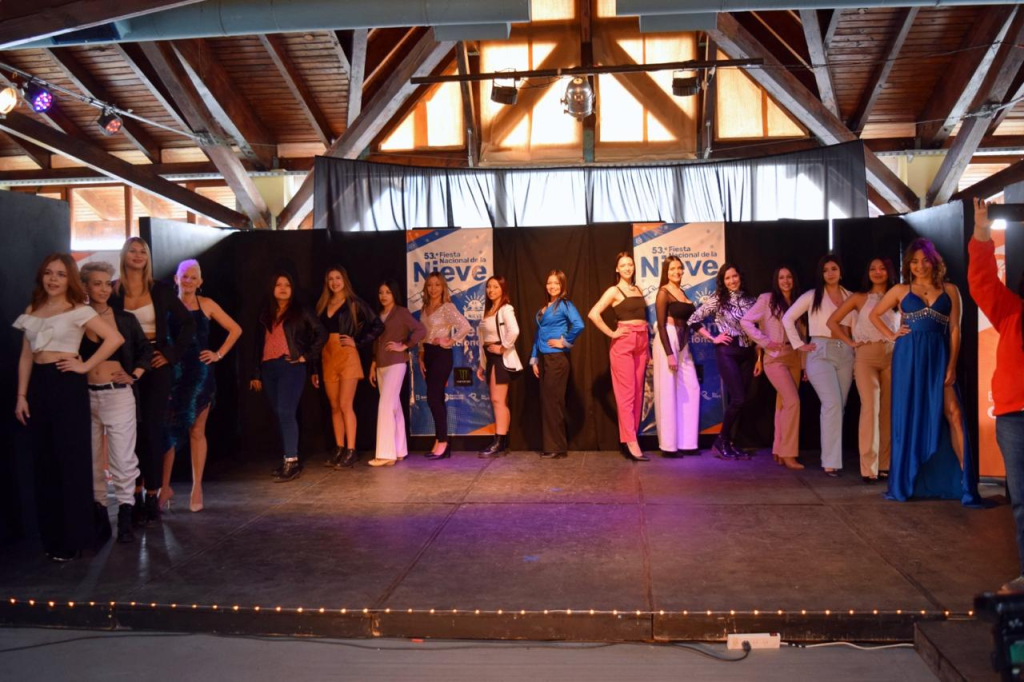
pixel 172 242
pixel 949 227
pixel 30 228
pixel 758 248
pixel 859 240
pixel 587 256
pixel 1014 239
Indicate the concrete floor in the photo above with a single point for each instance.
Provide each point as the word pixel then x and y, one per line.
pixel 590 531
pixel 171 657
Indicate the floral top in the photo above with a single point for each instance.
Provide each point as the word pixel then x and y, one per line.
pixel 445 323
pixel 728 318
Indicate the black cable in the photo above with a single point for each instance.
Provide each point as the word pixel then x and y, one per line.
pixel 697 648
pixel 41 645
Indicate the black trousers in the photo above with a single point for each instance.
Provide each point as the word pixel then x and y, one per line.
pixel 554 378
pixel 154 392
pixel 60 427
pixel 736 367
pixel 439 362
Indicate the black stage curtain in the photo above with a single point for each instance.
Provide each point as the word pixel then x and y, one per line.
pixel 30 228
pixel 1014 239
pixel 587 256
pixel 354 196
pixel 758 248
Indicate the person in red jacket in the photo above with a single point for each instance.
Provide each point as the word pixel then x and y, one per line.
pixel 1005 310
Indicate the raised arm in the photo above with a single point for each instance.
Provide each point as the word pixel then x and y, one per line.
pixel 891 299
pixel 112 340
pixel 142 362
pixel 461 324
pixel 575 327
pixel 603 303
pixel 228 323
pixel 853 302
pixel 751 318
pixel 371 328
pixel 800 306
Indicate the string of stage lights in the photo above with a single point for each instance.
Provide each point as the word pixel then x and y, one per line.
pixel 38 93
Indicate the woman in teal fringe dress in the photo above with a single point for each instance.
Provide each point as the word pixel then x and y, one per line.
pixel 194 382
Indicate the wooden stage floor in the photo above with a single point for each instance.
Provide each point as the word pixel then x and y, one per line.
pixel 670 549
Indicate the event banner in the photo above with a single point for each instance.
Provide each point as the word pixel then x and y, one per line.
pixel 464 258
pixel 701 248
pixel 990 461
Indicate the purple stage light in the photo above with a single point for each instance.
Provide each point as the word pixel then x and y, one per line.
pixel 38 97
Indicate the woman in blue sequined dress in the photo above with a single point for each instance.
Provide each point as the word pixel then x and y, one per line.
pixel 194 382
pixel 931 451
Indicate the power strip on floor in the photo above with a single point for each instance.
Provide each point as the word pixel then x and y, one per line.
pixel 757 640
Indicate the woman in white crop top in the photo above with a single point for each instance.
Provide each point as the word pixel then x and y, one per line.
pixel 872 366
pixel 829 360
pixel 53 402
pixel 498 360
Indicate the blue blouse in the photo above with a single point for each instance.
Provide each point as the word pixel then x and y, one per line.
pixel 557 321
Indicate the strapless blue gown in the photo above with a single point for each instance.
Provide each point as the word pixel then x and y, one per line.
pixel 924 464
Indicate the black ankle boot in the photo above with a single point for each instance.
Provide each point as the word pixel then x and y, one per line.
pixel 289 472
pixel 124 524
pixel 722 449
pixel 139 519
pixel 335 458
pixel 152 508
pixel 497 448
pixel 348 459
pixel 102 524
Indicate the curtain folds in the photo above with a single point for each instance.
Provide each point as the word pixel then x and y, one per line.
pixel 825 183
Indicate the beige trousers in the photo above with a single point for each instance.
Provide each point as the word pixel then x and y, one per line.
pixel 872 370
pixel 784 374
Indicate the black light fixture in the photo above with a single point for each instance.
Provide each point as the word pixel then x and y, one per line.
pixel 38 97
pixel 685 86
pixel 109 122
pixel 579 98
pixel 504 91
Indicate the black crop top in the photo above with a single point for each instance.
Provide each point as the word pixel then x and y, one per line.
pixel 666 307
pixel 88 347
pixel 631 308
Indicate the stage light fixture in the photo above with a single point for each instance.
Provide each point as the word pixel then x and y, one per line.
pixel 8 100
pixel 579 98
pixel 685 87
pixel 110 123
pixel 504 94
pixel 39 98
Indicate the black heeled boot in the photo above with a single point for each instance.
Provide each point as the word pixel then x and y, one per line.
pixel 722 449
pixel 290 470
pixel 152 508
pixel 335 458
pixel 139 518
pixel 348 460
pixel 124 524
pixel 497 448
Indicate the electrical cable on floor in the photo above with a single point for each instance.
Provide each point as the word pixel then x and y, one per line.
pixel 111 635
pixel 859 647
pixel 700 649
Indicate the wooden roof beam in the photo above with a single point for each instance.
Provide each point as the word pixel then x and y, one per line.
pixel 993 184
pixel 47 18
pixel 223 100
pixel 738 43
pixel 708 106
pixel 1005 66
pixel 356 72
pixel 876 86
pixel 181 88
pixel 1015 95
pixel 277 48
pixel 38 155
pixel 424 58
pixel 469 123
pixel 830 29
pixel 137 61
pixel 962 82
pixel 93 156
pixel 819 59
pixel 90 87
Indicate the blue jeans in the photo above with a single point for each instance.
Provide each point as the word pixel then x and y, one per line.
pixel 283 383
pixel 1010 436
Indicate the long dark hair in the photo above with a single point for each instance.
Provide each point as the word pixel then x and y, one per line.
pixel 563 284
pixel 890 273
pixel 396 293
pixel 620 256
pixel 777 304
pixel 496 305
pixel 819 287
pixel 931 254
pixel 74 293
pixel 292 312
pixel 722 291
pixel 664 269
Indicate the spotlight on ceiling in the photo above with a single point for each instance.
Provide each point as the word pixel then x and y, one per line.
pixel 38 97
pixel 110 123
pixel 504 94
pixel 8 100
pixel 685 87
pixel 579 98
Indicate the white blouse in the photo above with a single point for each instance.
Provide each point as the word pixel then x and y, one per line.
pixel 865 330
pixel 817 321
pixel 61 333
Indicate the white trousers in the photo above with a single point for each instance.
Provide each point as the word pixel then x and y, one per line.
pixel 391 443
pixel 676 396
pixel 830 371
pixel 113 414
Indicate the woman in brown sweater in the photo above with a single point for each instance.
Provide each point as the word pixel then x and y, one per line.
pixel 402 331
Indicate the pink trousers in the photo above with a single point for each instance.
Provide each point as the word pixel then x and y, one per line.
pixel 629 354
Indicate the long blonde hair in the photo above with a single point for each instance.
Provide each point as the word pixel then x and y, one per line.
pixel 446 294
pixel 147 271
pixel 350 296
